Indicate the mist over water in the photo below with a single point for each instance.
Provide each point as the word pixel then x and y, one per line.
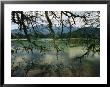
pixel 65 60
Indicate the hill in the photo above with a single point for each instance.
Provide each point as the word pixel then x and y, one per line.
pixel 44 32
pixel 86 32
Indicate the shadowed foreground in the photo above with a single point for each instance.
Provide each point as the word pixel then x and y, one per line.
pixel 37 64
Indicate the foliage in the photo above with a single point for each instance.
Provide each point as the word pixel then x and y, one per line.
pixel 31 24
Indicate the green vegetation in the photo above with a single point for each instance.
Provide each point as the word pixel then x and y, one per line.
pixel 40 48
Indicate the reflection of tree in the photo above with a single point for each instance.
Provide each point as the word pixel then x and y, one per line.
pixel 50 19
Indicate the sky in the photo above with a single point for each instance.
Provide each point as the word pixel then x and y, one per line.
pixel 79 22
pixel 14 26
